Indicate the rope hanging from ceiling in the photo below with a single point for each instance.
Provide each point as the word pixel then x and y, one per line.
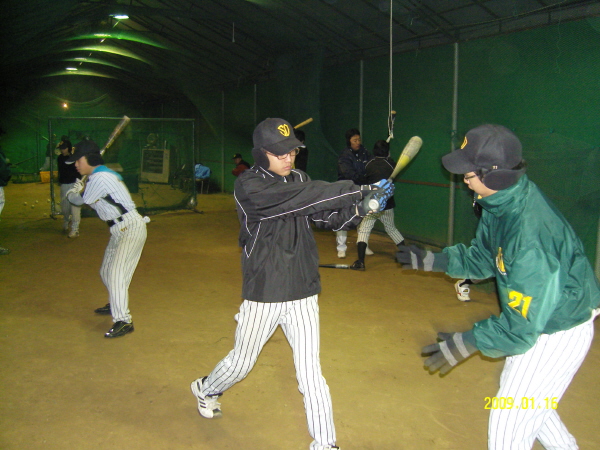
pixel 391 112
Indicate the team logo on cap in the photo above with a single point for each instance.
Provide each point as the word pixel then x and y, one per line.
pixel 464 144
pixel 284 129
pixel 500 262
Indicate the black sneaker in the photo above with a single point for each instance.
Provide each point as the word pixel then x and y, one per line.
pixel 103 310
pixel 358 265
pixel 119 329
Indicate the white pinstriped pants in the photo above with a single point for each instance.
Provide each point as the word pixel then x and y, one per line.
pixel 543 372
pixel 387 219
pixel 68 209
pixel 121 257
pixel 299 320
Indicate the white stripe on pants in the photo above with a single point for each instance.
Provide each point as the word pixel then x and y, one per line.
pixel 299 320
pixel 387 219
pixel 120 260
pixel 69 209
pixel 540 375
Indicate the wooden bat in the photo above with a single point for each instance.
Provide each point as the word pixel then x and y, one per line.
pixel 306 122
pixel 335 266
pixel 113 136
pixel 410 150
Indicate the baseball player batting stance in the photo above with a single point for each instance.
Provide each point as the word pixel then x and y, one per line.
pixel 107 194
pixel 546 287
pixel 276 206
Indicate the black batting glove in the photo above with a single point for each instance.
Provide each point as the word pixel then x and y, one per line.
pixel 452 349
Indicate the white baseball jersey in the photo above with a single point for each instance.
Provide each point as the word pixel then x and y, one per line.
pixel 128 235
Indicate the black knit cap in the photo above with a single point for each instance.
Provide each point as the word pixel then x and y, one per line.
pixel 275 136
pixel 493 151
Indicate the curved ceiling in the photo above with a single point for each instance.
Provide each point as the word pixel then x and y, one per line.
pixel 226 42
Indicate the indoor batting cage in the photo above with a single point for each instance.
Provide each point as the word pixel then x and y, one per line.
pixel 155 158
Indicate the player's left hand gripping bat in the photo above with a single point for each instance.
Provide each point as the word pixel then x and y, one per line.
pixel 410 150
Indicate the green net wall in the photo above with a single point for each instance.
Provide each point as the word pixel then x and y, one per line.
pixel 155 157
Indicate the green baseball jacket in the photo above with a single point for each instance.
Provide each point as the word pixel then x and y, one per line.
pixel 545 282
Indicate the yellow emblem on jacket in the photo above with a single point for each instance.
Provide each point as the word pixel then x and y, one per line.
pixel 500 262
pixel 284 129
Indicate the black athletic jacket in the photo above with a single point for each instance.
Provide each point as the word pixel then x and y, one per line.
pixel 280 261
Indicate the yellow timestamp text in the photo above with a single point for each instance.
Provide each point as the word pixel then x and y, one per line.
pixel 523 403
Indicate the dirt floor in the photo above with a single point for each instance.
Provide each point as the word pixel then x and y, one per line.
pixel 64 386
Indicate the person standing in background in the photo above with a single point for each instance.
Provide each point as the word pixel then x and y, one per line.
pixel 352 164
pixel 67 176
pixel 4 178
pixel 240 165
pixel 378 168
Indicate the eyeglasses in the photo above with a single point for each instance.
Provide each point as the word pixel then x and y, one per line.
pixel 292 153
pixel 469 177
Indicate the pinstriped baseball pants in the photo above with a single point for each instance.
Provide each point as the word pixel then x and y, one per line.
pixel 121 257
pixel 299 320
pixel 387 219
pixel 533 380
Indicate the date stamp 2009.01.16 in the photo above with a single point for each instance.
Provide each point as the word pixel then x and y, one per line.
pixel 523 403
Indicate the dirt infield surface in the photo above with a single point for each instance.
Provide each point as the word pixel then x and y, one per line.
pixel 64 386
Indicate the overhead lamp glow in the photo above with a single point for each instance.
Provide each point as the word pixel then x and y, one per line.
pixel 120 16
pixel 65 105
pixel 72 68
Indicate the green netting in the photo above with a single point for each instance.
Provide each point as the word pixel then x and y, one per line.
pixel 155 157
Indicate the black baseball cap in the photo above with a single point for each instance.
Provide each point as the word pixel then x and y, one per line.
pixel 275 136
pixel 492 150
pixel 237 155
pixel 84 148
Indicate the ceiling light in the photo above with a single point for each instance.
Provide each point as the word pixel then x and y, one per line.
pixel 120 16
pixel 71 68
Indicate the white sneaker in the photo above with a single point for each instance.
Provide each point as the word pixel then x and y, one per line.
pixel 369 252
pixel 208 405
pixel 74 234
pixel 341 254
pixel 462 291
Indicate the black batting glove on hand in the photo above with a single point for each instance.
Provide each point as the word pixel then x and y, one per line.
pixel 415 257
pixel 452 349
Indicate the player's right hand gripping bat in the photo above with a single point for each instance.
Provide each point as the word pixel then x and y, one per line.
pixel 410 150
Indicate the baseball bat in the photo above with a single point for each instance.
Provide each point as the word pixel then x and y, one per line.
pixel 410 150
pixel 335 266
pixel 306 122
pixel 113 136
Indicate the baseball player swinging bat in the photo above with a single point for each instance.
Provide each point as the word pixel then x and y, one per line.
pixel 112 138
pixel 410 150
pixel 301 124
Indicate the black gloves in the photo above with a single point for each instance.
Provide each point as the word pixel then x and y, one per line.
pixel 452 349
